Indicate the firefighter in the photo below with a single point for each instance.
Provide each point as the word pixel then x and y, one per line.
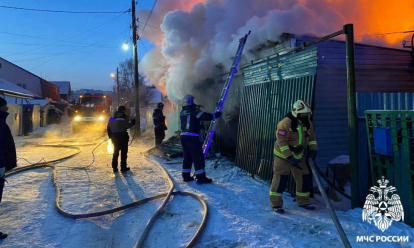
pixel 117 132
pixel 190 117
pixel 159 123
pixel 295 140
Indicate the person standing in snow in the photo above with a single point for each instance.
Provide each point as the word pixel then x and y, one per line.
pixel 8 159
pixel 190 117
pixel 117 132
pixel 27 116
pixel 295 140
pixel 158 119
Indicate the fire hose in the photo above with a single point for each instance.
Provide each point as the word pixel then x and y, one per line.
pixel 338 225
pixel 149 224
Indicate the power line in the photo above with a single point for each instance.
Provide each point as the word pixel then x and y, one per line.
pixel 128 27
pixel 57 54
pixel 69 50
pixel 150 14
pixel 66 40
pixel 392 24
pixel 379 34
pixel 142 7
pixel 66 11
pixel 149 25
pixel 38 44
pixel 110 38
pixel 143 45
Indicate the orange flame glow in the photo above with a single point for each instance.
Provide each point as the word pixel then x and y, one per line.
pixel 374 19
pixel 110 147
pixel 371 19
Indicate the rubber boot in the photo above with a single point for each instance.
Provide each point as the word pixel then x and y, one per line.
pixel 187 177
pixel 278 210
pixel 308 207
pixel 3 235
pixel 202 179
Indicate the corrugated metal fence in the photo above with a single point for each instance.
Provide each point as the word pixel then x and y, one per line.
pixel 271 88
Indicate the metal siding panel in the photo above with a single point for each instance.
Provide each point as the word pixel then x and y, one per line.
pixel 383 101
pixel 265 102
pixel 275 100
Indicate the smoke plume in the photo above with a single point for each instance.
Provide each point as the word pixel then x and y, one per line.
pixel 195 35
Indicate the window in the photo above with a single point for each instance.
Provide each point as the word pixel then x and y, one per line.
pixel 22 85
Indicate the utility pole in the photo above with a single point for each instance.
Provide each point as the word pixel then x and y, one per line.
pixel 136 80
pixel 117 87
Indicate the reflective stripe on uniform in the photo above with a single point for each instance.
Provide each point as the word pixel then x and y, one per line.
pixel 189 134
pixel 312 143
pixel 199 114
pixel 199 171
pixel 284 148
pixel 275 194
pixel 188 123
pixel 120 119
pixel 280 155
pixel 302 194
pixel 186 170
pixel 300 137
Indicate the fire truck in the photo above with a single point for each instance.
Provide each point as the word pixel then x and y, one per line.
pixel 92 112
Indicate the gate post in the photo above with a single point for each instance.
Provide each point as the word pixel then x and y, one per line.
pixel 352 118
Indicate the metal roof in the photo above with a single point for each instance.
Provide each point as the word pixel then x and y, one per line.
pixel 10 89
pixel 64 86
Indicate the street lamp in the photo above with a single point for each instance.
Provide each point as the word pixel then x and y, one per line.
pixel 125 46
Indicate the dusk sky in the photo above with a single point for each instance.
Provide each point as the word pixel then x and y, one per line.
pixel 81 48
pixel 196 35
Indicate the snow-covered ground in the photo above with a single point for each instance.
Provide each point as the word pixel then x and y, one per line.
pixel 239 210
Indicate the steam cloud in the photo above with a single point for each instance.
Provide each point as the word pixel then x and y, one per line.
pixel 196 35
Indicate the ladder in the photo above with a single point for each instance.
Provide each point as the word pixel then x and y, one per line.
pixel 226 87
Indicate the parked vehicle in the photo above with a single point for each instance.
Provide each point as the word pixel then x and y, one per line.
pixel 92 112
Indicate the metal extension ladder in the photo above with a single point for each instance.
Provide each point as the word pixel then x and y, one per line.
pixel 220 103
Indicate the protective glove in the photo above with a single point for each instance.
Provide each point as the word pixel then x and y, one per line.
pixel 165 128
pixel 2 171
pixel 312 154
pixel 295 162
pixel 133 121
pixel 217 114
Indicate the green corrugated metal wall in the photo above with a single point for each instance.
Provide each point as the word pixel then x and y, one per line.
pixel 270 89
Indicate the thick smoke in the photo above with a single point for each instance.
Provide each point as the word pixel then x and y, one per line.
pixel 196 35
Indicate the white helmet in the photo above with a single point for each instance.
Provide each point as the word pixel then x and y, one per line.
pixel 301 107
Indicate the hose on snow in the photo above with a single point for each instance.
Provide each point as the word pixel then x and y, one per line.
pixel 338 225
pixel 318 170
pixel 47 164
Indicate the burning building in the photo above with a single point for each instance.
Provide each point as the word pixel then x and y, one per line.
pixel 198 39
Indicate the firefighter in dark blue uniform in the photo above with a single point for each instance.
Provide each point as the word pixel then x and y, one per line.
pixel 159 123
pixel 191 141
pixel 117 132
